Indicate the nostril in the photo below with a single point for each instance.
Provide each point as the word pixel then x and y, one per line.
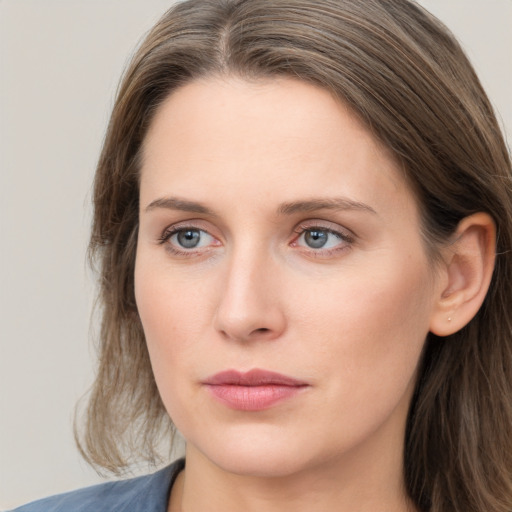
pixel 261 330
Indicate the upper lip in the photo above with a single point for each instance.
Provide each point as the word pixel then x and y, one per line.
pixel 255 377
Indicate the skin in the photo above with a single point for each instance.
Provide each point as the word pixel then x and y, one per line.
pixel 349 319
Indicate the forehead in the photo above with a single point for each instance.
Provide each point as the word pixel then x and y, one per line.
pixel 268 139
pixel 220 109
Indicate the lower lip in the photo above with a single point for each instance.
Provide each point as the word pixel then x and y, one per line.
pixel 252 398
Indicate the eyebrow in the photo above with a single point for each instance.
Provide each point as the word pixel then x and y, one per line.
pixel 335 203
pixel 306 206
pixel 175 203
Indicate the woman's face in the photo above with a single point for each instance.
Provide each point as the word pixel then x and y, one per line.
pixel 278 237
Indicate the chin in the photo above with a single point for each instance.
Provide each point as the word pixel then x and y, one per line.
pixel 260 465
pixel 260 456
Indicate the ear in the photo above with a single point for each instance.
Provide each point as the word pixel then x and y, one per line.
pixel 465 274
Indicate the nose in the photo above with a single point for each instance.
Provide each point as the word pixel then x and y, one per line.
pixel 250 305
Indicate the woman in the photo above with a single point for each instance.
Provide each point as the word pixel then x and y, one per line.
pixel 303 220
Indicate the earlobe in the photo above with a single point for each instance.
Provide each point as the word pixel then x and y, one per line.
pixel 465 274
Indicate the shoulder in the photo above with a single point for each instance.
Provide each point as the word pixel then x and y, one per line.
pixel 147 493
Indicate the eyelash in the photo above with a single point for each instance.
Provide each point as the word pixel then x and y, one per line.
pixel 173 230
pixel 346 239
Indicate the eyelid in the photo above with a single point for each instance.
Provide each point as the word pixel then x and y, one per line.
pixel 346 238
pixel 191 224
pixel 168 234
pixel 325 225
pixel 345 235
pixel 198 224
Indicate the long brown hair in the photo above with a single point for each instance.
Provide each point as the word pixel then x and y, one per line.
pixel 402 72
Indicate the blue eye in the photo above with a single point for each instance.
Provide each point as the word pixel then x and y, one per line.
pixel 188 239
pixel 183 239
pixel 318 238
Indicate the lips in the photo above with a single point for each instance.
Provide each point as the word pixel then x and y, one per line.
pixel 255 390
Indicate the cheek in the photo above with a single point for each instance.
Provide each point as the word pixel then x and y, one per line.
pixel 168 303
pixel 370 328
pixel 171 318
pixel 170 313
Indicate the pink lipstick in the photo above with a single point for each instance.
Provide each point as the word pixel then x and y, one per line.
pixel 255 390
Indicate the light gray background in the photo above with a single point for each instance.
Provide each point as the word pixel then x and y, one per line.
pixel 60 61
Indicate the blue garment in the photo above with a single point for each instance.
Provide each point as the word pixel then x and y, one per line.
pixel 148 493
